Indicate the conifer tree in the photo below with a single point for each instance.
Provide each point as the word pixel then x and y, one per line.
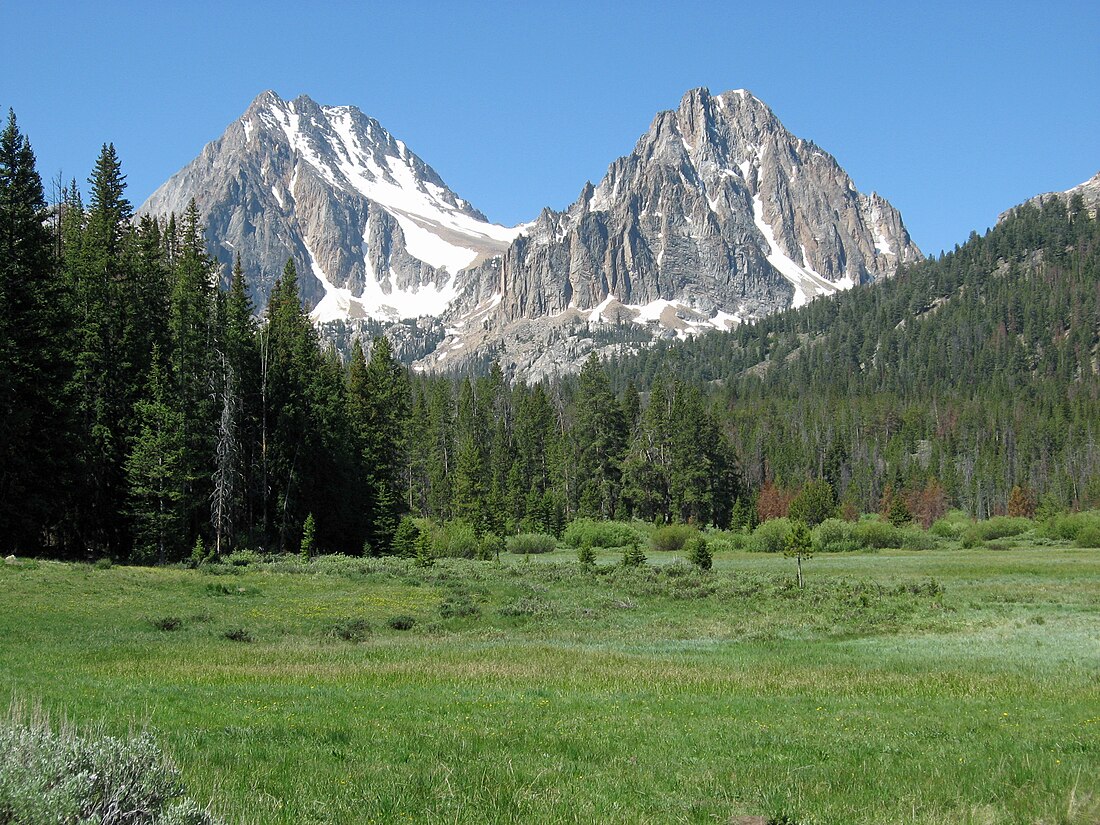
pixel 34 430
pixel 155 470
pixel 95 257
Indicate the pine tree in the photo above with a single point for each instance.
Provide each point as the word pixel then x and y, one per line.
pixel 155 471
pixel 35 440
pixel 379 397
pixel 96 256
pixel 799 546
pixel 193 370
pixel 599 443
pixel 288 357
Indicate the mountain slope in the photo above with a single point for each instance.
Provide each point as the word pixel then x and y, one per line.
pixel 374 230
pixel 719 214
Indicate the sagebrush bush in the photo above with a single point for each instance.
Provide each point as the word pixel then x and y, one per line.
pixel 50 775
pixel 400 622
pixel 671 538
pixel 587 532
pixel 533 543
pixel 351 630
pixel 771 536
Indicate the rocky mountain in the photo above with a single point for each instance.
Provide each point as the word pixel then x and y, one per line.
pixel 1089 192
pixel 718 215
pixel 375 232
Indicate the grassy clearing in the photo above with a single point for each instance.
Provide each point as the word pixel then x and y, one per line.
pixel 933 687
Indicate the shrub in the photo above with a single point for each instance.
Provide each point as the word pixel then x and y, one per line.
pixel 998 527
pixel 671 538
pixel 491 546
pixel 404 538
pixel 533 543
pixel 915 539
pixel 586 532
pixel 587 557
pixel 633 556
pixel 771 536
pixel 456 539
pixel 835 536
pixel 168 623
pixel 104 563
pixel 49 775
pixel 351 630
pixel 237 634
pixel 872 532
pixel 698 552
pixel 243 558
pixel 1068 526
pixel 458 605
pixel 1088 536
pixel 726 541
pixel 400 622
pixel 952 525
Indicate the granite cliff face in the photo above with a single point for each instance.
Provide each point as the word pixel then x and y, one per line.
pixel 718 215
pixel 374 231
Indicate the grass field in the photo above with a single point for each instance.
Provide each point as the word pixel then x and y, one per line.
pixel 957 686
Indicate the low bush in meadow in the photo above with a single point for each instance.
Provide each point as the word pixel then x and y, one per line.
pixel 771 536
pixel 875 533
pixel 533 543
pixel 952 525
pixel 998 527
pixel 586 532
pixel 55 775
pixel 1075 527
pixel 671 538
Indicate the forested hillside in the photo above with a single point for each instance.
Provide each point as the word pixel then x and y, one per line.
pixel 964 376
pixel 146 414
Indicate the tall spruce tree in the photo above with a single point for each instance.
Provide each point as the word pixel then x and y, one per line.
pixel 191 324
pixel 95 257
pixel 34 430
pixel 155 471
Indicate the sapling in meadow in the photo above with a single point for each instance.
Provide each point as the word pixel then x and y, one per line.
pixel 698 552
pixel 309 537
pixel 799 545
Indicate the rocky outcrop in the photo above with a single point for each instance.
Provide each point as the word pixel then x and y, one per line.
pixel 1089 192
pixel 719 213
pixel 373 229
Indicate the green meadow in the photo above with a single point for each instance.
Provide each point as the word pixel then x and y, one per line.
pixel 945 686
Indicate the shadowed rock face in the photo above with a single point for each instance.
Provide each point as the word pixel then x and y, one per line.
pixel 331 188
pixel 718 215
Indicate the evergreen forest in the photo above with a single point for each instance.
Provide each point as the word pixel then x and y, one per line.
pixel 147 413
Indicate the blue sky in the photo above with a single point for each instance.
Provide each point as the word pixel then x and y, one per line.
pixel 953 111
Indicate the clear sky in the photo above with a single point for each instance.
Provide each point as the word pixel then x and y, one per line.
pixel 954 111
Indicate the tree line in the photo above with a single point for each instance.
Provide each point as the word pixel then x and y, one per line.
pixel 149 414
